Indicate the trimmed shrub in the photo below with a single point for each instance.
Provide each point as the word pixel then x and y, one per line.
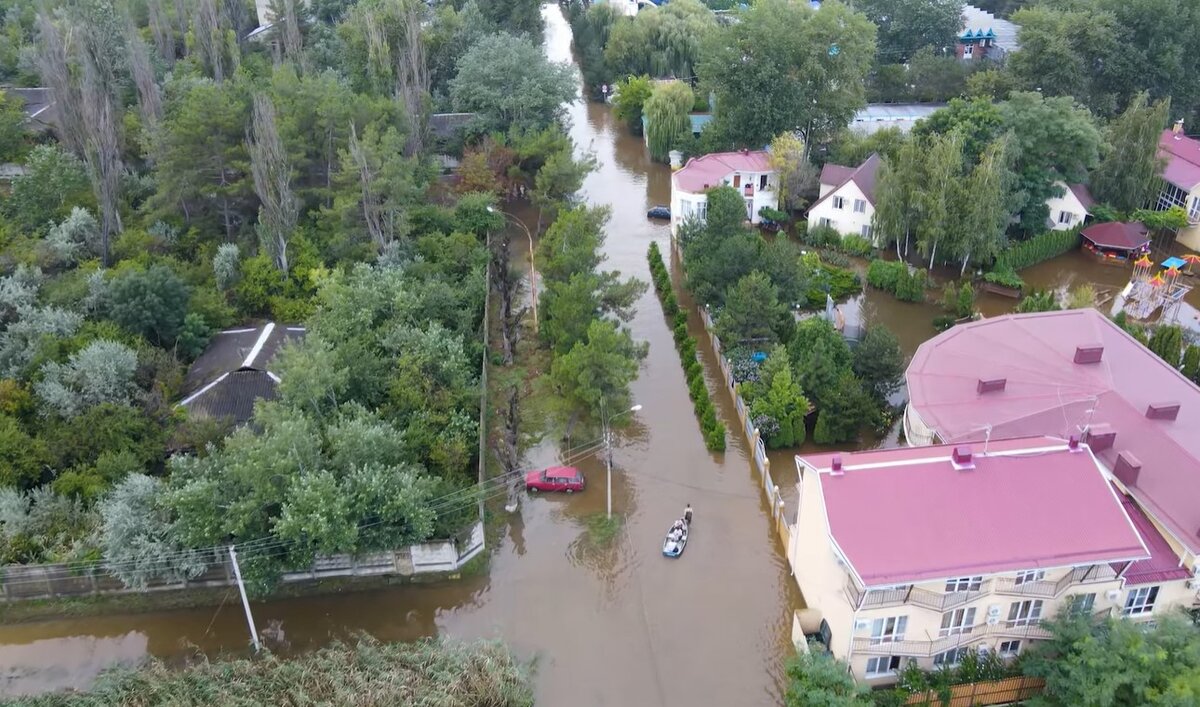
pixel 1041 247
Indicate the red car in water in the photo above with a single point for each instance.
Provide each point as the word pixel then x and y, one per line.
pixel 555 478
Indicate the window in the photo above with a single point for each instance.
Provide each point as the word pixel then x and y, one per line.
pixel 1083 603
pixel 825 222
pixel 866 231
pixel 1140 601
pixel 957 621
pixel 888 630
pixel 737 181
pixel 968 51
pixel 883 665
pixel 762 182
pixel 839 203
pixel 1193 210
pixel 964 584
pixel 1029 576
pixel 1023 613
pixel 1065 217
pixel 860 206
pixel 1172 195
pixel 950 658
pixel 1009 649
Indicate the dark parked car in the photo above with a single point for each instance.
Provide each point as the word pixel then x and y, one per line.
pixel 660 212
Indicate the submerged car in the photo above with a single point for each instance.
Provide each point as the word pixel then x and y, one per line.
pixel 659 212
pixel 556 478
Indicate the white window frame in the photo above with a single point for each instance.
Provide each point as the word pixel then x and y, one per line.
pixel 1009 649
pixel 1193 209
pixel 1066 218
pixel 823 221
pixel 1083 602
pixel 839 202
pixel 1026 612
pixel 866 231
pixel 1029 577
pixel 889 629
pixel 882 666
pixel 957 621
pixel 1140 601
pixel 950 658
pixel 964 584
pixel 968 50
pixel 860 206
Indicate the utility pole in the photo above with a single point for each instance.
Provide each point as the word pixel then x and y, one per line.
pixel 237 573
pixel 607 420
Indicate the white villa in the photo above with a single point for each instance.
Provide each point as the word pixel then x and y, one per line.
pixel 847 198
pixel 1070 209
pixel 747 171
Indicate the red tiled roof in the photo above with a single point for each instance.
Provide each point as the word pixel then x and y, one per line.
pixel 1117 234
pixel 908 515
pixel 863 176
pixel 1046 392
pixel 701 173
pixel 1082 193
pixel 1183 159
pixel 1163 565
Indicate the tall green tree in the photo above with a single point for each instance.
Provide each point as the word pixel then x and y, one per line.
pixel 879 362
pixel 1167 342
pixel 897 190
pixel 795 174
pixel 985 205
pixel 784 66
pixel 783 402
pixel 940 196
pixel 667 121
pixel 908 25
pixel 1128 176
pixel 508 82
pixel 593 378
pixel 752 312
pixel 723 251
pixel 12 127
pixel 1069 51
pixel 630 98
pixel 664 41
pixel 816 679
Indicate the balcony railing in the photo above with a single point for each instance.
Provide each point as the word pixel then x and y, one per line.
pixel 925 648
pixel 938 601
pixel 1079 575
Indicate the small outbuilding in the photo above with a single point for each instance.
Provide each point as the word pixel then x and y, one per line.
pixel 234 372
pixel 1116 240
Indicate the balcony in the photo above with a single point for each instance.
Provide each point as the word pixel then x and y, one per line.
pixel 925 648
pixel 1078 576
pixel 938 601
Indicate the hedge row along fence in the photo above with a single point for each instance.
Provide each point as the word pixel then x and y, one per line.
pixel 713 430
pixel 1040 248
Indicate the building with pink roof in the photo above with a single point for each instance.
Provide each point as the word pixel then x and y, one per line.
pixel 1181 180
pixel 928 553
pixel 748 171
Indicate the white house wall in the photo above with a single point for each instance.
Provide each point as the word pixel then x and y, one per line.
pixel 844 220
pixel 1068 203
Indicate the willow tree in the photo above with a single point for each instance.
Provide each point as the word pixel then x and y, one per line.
pixel 985 206
pixel 897 209
pixel 1128 176
pixel 667 121
pixel 279 209
pixel 939 195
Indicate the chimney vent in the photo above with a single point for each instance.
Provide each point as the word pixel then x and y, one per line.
pixel 1127 468
pixel 1163 411
pixel 1089 353
pixel 962 458
pixel 1101 437
pixel 836 465
pixel 990 385
pixel 1177 129
pixel 1073 444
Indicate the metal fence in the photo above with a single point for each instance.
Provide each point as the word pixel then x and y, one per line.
pixel 988 692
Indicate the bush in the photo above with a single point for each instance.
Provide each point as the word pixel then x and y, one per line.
pixel 714 439
pixel 820 236
pixel 942 322
pixel 1004 276
pixel 697 389
pixel 857 245
pixel 883 274
pixel 774 215
pixel 1041 247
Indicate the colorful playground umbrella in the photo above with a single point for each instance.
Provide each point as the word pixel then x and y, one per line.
pixel 1144 261
pixel 1173 262
pixel 1172 271
pixel 1190 259
pixel 1157 280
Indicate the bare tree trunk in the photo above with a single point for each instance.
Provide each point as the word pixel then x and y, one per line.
pixel 293 43
pixel 371 201
pixel 55 70
pixel 163 32
pixel 279 209
pixel 149 96
pixel 103 153
pixel 964 264
pixel 932 253
pixel 412 76
pixel 206 28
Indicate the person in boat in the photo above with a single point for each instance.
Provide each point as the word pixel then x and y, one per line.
pixel 687 514
pixel 678 526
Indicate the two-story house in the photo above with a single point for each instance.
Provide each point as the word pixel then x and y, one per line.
pixel 748 171
pixel 1070 209
pixel 846 202
pixel 985 36
pixel 926 554
pixel 1181 180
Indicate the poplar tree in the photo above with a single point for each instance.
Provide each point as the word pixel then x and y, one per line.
pixel 1128 176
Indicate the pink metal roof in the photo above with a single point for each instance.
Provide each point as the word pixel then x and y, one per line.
pixel 1046 392
pixel 1182 154
pixel 863 176
pixel 1163 564
pixel 702 173
pixel 908 515
pixel 1119 235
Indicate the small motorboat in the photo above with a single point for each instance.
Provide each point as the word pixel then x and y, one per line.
pixel 675 540
pixel 659 212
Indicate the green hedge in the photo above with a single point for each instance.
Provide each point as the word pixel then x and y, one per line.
pixel 710 427
pixel 1040 248
pixel 895 277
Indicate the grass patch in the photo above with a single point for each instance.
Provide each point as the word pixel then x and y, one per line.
pixel 603 530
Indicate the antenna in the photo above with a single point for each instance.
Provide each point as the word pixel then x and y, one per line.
pixel 987 429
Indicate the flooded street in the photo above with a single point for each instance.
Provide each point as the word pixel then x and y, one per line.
pixel 620 626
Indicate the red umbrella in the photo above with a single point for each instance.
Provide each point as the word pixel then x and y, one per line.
pixel 1191 258
pixel 1157 280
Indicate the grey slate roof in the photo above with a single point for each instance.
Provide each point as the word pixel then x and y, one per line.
pixel 39 106
pixel 234 371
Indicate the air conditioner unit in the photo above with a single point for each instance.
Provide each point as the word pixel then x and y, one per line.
pixel 983 649
pixel 861 624
pixel 993 620
pixel 1113 594
pixel 1193 583
pixel 994 610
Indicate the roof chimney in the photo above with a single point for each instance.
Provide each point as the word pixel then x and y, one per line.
pixel 835 465
pixel 1127 469
pixel 1073 444
pixel 962 458
pixel 1177 129
pixel 1163 411
pixel 990 385
pixel 1089 353
pixel 1101 437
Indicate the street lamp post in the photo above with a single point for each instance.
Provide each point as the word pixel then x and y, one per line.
pixel 608 447
pixel 532 269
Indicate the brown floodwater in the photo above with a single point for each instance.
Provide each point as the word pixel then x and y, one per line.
pixel 622 626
